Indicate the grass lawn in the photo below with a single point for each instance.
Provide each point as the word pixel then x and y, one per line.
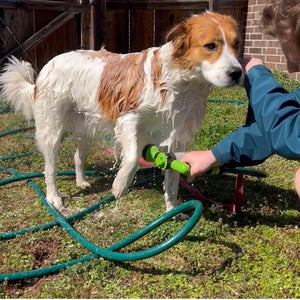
pixel 250 254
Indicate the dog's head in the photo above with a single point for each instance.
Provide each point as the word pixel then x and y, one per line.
pixel 208 42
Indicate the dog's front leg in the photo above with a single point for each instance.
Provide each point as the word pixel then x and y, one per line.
pixel 171 192
pixel 126 133
pixel 126 173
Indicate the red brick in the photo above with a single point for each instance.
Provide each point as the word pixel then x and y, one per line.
pixel 270 51
pixel 260 44
pixel 255 50
pixel 251 2
pixel 250 29
pixel 255 36
pixel 273 43
pixel 270 65
pixel 279 51
pixel 281 67
pixel 258 8
pixel 274 58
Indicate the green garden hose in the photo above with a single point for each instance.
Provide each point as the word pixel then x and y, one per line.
pixel 108 253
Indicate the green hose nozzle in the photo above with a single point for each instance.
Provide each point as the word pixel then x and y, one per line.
pixel 164 160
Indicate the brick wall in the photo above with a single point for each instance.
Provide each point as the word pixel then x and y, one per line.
pixel 260 45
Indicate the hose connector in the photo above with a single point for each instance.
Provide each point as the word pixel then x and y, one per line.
pixel 164 161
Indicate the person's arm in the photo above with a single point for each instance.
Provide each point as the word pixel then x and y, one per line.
pixel 277 129
pixel 276 111
pixel 296 94
pixel 244 147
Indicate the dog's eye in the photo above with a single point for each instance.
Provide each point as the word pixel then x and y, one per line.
pixel 210 47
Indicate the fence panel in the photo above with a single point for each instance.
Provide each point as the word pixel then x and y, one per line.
pixel 38 30
pixel 137 25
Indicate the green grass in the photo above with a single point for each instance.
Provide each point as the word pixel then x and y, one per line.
pixel 252 254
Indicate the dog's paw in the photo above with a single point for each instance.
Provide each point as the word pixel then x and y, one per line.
pixel 55 202
pixel 66 211
pixel 118 192
pixel 83 185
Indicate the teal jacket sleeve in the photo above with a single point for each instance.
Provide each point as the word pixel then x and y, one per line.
pixel 276 124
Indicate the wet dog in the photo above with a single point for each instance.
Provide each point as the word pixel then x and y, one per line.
pixel 157 96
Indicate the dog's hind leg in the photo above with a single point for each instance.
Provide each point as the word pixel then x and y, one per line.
pixel 83 145
pixel 48 139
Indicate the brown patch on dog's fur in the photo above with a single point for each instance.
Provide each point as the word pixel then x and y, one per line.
pixel 121 83
pixel 156 65
pixel 156 73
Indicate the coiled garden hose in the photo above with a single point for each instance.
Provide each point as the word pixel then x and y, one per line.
pixel 108 253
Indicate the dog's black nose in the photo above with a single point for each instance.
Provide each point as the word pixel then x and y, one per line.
pixel 235 74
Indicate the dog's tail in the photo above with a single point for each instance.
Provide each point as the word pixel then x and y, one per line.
pixel 17 84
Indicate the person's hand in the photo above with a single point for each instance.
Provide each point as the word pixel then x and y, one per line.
pixel 247 63
pixel 200 162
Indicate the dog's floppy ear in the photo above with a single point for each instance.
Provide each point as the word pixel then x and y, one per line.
pixel 180 39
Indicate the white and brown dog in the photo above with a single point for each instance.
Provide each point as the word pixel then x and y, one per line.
pixel 157 96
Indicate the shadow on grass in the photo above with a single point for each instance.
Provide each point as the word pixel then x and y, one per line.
pixel 207 267
pixel 263 203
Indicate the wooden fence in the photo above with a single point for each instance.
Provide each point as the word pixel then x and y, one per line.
pixel 135 25
pixel 38 30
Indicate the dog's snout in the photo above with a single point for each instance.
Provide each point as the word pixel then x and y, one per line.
pixel 235 74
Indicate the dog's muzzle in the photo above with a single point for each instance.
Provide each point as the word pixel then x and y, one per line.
pixel 235 74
